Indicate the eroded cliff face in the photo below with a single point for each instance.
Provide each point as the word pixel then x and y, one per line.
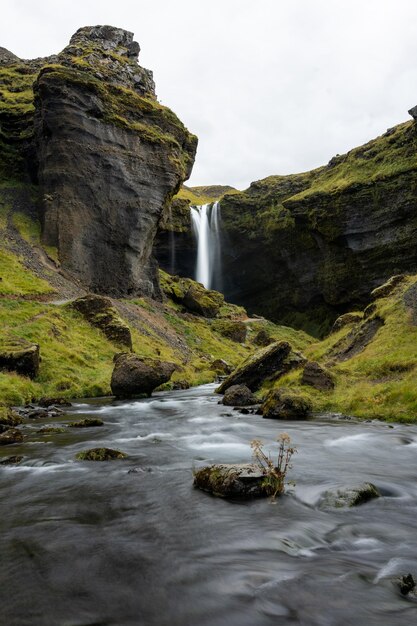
pixel 105 155
pixel 302 249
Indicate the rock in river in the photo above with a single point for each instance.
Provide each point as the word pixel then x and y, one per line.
pixel 100 454
pixel 231 481
pixel 285 404
pixel 239 395
pixel 135 376
pixel 349 496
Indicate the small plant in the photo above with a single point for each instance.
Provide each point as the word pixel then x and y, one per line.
pixel 275 474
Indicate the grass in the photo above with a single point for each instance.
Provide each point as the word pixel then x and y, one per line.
pixel 17 280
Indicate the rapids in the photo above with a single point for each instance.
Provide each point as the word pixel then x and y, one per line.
pixel 129 543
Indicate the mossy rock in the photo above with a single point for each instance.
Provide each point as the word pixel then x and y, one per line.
pixel 135 376
pixel 347 319
pixel 349 496
pixel 100 454
pixel 388 287
pixel 13 435
pixel 52 430
pixel 100 312
pixel 262 338
pixel 232 329
pixel 286 404
pixel 20 356
pixel 9 417
pixel 316 376
pixel 258 368
pixel 231 481
pixel 239 395
pixel 192 295
pixel 86 423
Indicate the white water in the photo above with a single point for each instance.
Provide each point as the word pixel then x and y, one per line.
pixel 205 222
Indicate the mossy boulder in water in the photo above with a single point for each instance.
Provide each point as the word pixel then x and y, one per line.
pixel 285 404
pixel 20 356
pixel 264 364
pixel 349 496
pixel 100 454
pixel 135 376
pixel 238 395
pixel 100 312
pixel 8 417
pixel 231 481
pixel 13 435
pixel 88 422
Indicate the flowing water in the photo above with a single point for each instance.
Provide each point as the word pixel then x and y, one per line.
pixel 205 221
pixel 131 542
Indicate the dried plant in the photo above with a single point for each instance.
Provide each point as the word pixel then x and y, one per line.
pixel 275 474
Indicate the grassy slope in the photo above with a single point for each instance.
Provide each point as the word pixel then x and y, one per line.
pixel 379 382
pixel 77 359
pixel 204 194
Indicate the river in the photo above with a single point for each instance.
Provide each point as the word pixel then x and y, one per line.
pixel 132 543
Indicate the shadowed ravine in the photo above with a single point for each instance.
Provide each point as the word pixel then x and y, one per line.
pixel 132 543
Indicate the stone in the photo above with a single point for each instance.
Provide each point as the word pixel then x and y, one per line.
pixel 13 435
pixel 256 369
pixel 262 338
pixel 20 356
pixel 133 375
pixel 53 402
pixel 231 481
pixel 88 422
pixel 356 340
pixel 8 417
pixel 100 454
pixel 231 329
pixel 221 366
pixel 11 460
pixel 239 395
pixel 407 583
pixel 349 496
pixel 413 112
pixel 346 320
pixel 192 295
pixel 285 404
pixel 316 376
pixel 100 312
pixel 181 384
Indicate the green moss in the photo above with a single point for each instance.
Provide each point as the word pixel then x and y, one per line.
pixel 100 454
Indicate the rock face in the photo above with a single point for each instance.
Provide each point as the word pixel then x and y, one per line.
pixel 266 363
pixel 100 312
pixel 106 155
pixel 135 376
pixel 19 355
pixel 238 395
pixel 285 404
pixel 231 481
pixel 306 248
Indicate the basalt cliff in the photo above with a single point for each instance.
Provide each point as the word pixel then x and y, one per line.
pixel 302 249
pixel 103 157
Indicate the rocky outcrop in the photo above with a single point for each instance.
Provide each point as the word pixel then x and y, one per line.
pixel 107 157
pixel 285 404
pixel 134 376
pixel 231 481
pixel 347 319
pixel 238 395
pixel 192 295
pixel 20 356
pixel 232 329
pixel 100 312
pixel 270 362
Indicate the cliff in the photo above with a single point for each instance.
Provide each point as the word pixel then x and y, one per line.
pixel 104 158
pixel 301 249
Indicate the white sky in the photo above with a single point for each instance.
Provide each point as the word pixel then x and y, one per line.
pixel 269 86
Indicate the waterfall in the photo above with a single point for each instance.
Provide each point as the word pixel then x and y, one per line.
pixel 205 222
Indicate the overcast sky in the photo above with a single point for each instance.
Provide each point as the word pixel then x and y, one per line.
pixel 269 86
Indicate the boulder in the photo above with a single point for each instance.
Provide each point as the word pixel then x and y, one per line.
pixel 239 395
pixel 53 402
pixel 231 481
pixel 13 435
pixel 262 338
pixel 20 356
pixel 100 312
pixel 285 404
pixel 315 376
pixel 11 460
pixel 406 583
pixel 100 454
pixel 192 295
pixel 349 496
pixel 135 376
pixel 8 417
pixel 268 362
pixel 346 320
pixel 221 367
pixel 231 329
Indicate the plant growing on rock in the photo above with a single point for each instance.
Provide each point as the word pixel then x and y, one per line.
pixel 275 474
